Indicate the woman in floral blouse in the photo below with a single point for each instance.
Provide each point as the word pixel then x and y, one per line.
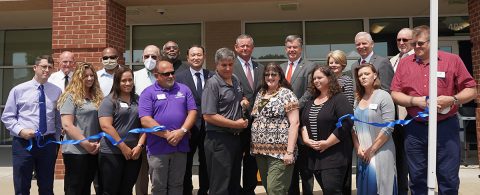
pixel 275 130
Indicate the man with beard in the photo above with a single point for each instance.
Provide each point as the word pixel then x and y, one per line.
pixel 171 52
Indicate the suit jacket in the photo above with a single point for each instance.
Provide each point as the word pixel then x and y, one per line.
pixel 185 77
pixel 300 78
pixel 248 92
pixel 384 69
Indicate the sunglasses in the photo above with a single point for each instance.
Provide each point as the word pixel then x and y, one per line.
pixel 402 39
pixel 150 56
pixel 109 57
pixel 166 74
pixel 270 74
pixel 419 43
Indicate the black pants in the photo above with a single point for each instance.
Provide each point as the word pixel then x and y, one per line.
pixel 80 169
pixel 119 175
pixel 196 141
pixel 223 154
pixel 332 180
pixel 301 170
pixel 249 179
pixel 400 160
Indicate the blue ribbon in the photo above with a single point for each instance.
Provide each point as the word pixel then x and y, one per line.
pixel 98 136
pixel 423 115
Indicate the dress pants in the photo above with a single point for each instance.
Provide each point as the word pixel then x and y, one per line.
pixel 249 176
pixel 332 181
pixel 301 168
pixel 448 156
pixel 398 137
pixel 24 161
pixel 141 186
pixel 80 170
pixel 223 153
pixel 197 139
pixel 119 175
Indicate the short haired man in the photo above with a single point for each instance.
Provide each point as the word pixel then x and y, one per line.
pixel 364 44
pixel 30 109
pixel 195 77
pixel 410 87
pixel 142 79
pixel 172 105
pixel 67 67
pixel 296 71
pixel 171 52
pixel 222 101
pixel 404 38
pixel 250 74
pixel 110 64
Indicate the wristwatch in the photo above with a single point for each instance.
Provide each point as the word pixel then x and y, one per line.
pixel 184 130
pixel 141 145
pixel 455 100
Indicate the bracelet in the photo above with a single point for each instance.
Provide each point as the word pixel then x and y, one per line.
pixel 141 146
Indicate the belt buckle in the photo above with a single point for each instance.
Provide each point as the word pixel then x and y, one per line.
pixel 236 134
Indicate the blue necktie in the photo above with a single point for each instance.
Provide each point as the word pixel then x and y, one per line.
pixel 43 111
pixel 199 83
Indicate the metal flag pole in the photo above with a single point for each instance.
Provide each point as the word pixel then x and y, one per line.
pixel 432 119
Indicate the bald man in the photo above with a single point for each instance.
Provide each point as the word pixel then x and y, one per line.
pixel 66 63
pixel 110 63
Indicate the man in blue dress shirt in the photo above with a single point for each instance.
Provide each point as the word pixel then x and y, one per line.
pixel 31 107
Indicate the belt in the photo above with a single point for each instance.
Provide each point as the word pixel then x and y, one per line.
pixel 215 131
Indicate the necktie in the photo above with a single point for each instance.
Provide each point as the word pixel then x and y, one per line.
pixel 249 75
pixel 43 111
pixel 199 83
pixel 289 73
pixel 66 82
pixel 364 61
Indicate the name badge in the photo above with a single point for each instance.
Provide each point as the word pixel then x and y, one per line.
pixel 372 106
pixel 123 105
pixel 161 96
pixel 441 74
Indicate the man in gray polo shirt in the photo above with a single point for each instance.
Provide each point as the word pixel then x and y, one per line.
pixel 222 101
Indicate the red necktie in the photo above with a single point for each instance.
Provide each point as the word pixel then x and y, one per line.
pixel 249 75
pixel 363 62
pixel 289 73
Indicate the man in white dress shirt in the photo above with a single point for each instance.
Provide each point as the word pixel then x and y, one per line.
pixel 110 64
pixel 67 67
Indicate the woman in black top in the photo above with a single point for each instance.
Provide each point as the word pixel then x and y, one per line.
pixel 329 146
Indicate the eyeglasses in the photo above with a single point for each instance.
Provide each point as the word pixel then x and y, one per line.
pixel 166 74
pixel 67 62
pixel 45 67
pixel 171 48
pixel 150 56
pixel 419 43
pixel 109 57
pixel 270 74
pixel 402 39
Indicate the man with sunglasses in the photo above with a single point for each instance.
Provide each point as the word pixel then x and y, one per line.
pixel 171 52
pixel 31 109
pixel 142 79
pixel 410 88
pixel 62 77
pixel 364 45
pixel 172 105
pixel 110 64
pixel 405 48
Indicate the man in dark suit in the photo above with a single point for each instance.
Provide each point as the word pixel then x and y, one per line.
pixel 194 77
pixel 364 44
pixel 250 74
pixel 297 71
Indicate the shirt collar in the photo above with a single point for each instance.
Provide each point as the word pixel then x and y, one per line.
pixel 367 59
pixel 295 63
pixel 243 61
pixel 194 71
pixel 103 72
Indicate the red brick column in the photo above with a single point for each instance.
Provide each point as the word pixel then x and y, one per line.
pixel 86 27
pixel 474 18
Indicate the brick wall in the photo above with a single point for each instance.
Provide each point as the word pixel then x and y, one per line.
pixel 474 18
pixel 220 34
pixel 86 27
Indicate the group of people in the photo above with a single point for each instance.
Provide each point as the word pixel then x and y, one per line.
pixel 278 119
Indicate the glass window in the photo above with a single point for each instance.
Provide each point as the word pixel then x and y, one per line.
pixel 269 38
pixel 184 35
pixel 447 26
pixel 325 36
pixel 384 33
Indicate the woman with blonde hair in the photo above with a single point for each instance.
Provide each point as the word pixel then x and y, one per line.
pixel 78 107
pixel 337 61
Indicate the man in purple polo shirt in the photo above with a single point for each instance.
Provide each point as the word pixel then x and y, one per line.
pixel 172 105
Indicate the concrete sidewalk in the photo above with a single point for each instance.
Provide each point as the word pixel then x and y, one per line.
pixel 469 182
